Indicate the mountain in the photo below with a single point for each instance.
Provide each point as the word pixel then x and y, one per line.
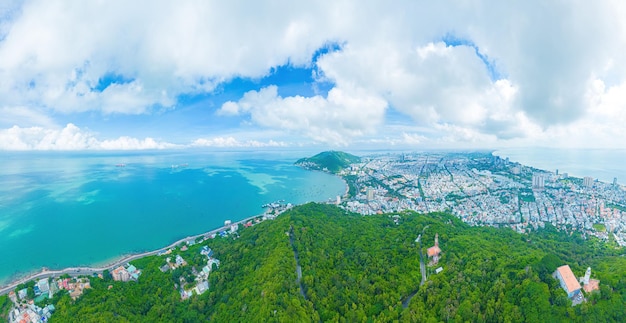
pixel 331 161
pixel 317 262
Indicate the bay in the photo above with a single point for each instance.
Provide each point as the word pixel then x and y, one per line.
pixel 60 210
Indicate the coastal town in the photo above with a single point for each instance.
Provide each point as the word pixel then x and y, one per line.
pixel 33 300
pixel 483 189
pixel 479 188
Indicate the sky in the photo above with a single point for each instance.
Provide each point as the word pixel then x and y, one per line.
pixel 132 75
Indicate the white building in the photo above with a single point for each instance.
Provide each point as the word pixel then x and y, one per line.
pixel 538 181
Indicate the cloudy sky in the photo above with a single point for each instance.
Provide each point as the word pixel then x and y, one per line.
pixel 359 74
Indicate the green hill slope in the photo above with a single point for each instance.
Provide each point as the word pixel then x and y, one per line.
pixel 332 161
pixel 356 268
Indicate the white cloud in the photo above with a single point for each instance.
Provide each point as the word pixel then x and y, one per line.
pixel 24 116
pixel 56 52
pixel 341 116
pixel 70 138
pixel 231 142
pixel 549 60
pixel 434 84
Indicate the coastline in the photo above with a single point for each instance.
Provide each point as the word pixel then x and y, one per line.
pixel 298 186
pixel 87 270
pixel 122 259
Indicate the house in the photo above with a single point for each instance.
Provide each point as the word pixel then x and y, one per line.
pixel 438 270
pixel 133 272
pixel 434 251
pixel 568 281
pixel 185 294
pixel 212 261
pixel 22 293
pixel 206 251
pixel 43 285
pixel 180 261
pixel 202 287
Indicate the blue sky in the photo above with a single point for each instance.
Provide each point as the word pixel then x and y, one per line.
pixel 279 75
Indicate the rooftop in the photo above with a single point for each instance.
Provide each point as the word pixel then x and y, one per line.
pixel 594 284
pixel 570 280
pixel 432 251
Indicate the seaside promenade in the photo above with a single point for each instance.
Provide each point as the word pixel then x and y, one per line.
pixel 87 271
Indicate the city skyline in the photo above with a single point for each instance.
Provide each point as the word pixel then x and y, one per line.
pixel 341 74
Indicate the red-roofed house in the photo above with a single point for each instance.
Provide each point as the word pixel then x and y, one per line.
pixel 434 251
pixel 568 281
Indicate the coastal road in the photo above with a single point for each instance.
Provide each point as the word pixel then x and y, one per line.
pixel 88 271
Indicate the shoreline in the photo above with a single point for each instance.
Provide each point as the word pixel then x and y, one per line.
pixel 87 270
pixel 109 264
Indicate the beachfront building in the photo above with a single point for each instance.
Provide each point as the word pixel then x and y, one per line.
pixel 125 274
pixel 120 274
pixel 568 281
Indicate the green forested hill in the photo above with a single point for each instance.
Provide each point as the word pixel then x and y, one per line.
pixel 332 161
pixel 357 268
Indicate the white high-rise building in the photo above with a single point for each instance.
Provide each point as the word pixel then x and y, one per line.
pixel 587 181
pixel 538 181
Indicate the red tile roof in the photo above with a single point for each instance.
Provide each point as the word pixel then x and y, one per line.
pixel 568 277
pixel 433 251
pixel 594 284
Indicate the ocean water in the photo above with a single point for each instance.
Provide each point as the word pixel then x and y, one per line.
pixel 601 164
pixel 61 210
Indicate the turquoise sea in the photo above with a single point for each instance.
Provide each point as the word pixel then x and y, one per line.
pixel 60 210
pixel 601 164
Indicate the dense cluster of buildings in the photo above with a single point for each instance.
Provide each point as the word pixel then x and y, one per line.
pixel 201 279
pixel 482 189
pixel 31 314
pixel 27 307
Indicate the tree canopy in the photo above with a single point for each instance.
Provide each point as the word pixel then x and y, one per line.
pixel 367 268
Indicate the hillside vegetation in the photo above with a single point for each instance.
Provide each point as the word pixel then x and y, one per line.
pixel 356 268
pixel 331 161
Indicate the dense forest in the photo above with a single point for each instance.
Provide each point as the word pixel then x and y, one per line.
pixel 332 161
pixel 366 269
pixel 5 306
